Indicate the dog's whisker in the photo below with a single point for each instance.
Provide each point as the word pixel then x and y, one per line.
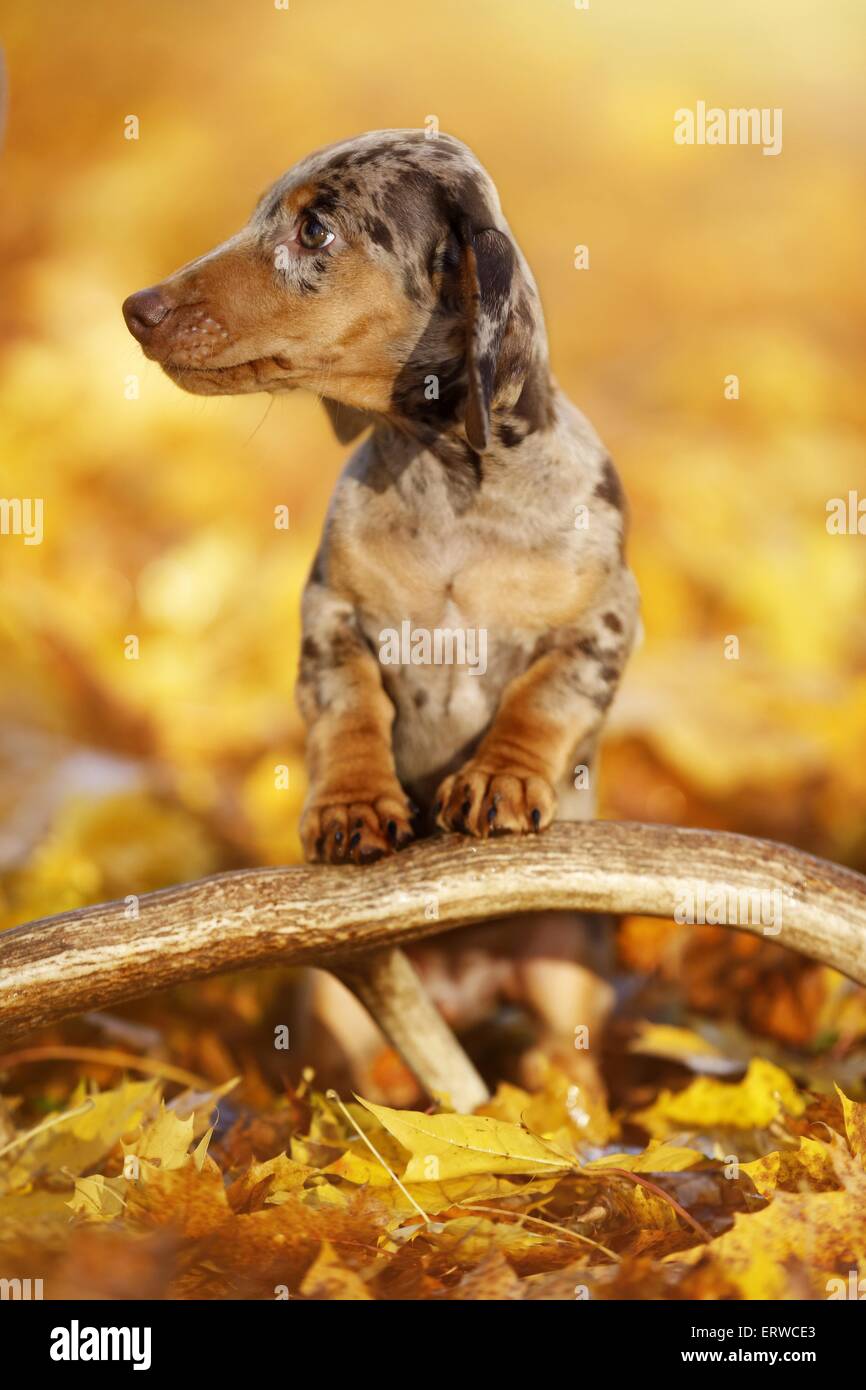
pixel 265 415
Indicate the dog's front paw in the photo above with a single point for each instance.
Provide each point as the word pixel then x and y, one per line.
pixel 347 830
pixel 481 801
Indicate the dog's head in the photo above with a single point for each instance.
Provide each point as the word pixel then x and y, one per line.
pixel 378 273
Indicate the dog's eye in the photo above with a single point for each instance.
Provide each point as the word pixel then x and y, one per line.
pixel 312 233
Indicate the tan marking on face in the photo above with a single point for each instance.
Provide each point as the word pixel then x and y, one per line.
pixel 349 339
pixel 357 330
pixel 299 197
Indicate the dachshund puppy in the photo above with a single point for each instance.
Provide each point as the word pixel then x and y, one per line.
pixel 470 610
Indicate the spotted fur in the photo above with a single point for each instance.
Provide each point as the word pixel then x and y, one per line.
pixel 479 499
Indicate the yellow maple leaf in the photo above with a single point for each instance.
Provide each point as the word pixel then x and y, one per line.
pixel 561 1110
pixel 97 1198
pixel 819 1235
pixel 431 1196
pixel 199 1153
pixel 656 1158
pixel 271 1182
pixel 78 1140
pixel 164 1143
pixel 447 1146
pixel 765 1093
pixel 678 1044
pixel 855 1125
pixel 810 1165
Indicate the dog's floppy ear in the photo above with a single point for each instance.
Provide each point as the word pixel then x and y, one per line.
pixel 347 422
pixel 487 267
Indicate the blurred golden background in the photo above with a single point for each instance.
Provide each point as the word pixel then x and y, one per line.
pixel 119 775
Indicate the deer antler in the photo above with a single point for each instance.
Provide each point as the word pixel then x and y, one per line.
pixel 351 921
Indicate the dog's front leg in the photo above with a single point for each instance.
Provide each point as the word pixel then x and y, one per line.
pixel 548 712
pixel 356 811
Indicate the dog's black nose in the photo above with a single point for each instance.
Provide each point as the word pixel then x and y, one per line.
pixel 143 311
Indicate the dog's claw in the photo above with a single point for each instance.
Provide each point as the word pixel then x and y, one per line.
pixel 486 802
pixel 356 830
pixel 369 856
